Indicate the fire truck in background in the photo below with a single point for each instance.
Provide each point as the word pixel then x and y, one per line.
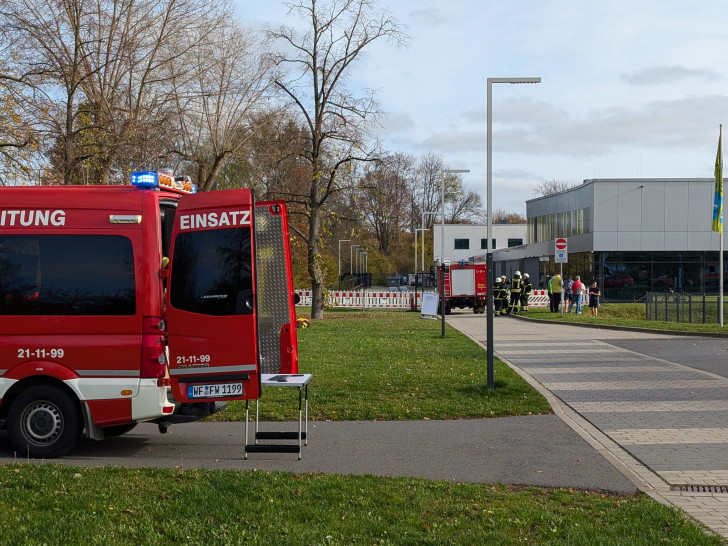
pixel 466 285
pixel 131 303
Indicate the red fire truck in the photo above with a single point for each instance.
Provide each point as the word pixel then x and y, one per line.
pixel 466 286
pixel 122 304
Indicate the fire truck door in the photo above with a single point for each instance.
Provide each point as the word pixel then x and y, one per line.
pixel 211 310
pixel 276 307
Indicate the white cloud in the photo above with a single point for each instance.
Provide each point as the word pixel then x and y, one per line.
pixel 661 75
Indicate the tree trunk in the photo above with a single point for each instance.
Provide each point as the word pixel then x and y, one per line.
pixel 314 268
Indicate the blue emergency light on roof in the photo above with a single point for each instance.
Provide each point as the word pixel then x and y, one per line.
pixel 154 179
pixel 145 179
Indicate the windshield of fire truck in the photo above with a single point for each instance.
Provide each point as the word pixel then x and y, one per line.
pixel 212 272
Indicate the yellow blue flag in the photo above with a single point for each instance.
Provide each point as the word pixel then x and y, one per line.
pixel 718 202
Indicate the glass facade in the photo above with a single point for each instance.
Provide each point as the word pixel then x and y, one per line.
pixel 627 276
pixel 561 224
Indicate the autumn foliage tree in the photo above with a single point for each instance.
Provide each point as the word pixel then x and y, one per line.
pixel 338 122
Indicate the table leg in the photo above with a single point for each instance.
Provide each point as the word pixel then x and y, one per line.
pixel 300 428
pixel 246 430
pixel 306 402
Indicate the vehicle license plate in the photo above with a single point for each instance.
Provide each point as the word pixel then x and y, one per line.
pixel 215 390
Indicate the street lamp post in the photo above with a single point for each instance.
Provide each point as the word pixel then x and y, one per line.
pixel 423 264
pixel 356 253
pixel 351 258
pixel 423 237
pixel 442 241
pixel 489 254
pixel 341 241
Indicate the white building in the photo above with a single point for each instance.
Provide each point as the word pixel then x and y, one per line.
pixel 465 240
pixel 632 235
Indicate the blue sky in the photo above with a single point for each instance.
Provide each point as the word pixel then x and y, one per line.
pixel 629 88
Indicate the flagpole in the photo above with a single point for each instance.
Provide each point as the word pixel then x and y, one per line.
pixel 720 251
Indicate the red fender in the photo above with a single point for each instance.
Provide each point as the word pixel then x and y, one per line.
pixel 50 369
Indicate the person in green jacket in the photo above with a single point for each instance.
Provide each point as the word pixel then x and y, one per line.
pixel 555 292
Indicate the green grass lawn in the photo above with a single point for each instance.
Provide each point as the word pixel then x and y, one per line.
pixel 624 314
pixel 366 365
pixel 392 365
pixel 52 504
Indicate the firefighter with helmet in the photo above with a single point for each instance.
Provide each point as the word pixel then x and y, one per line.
pixel 526 293
pixel 516 289
pixel 497 296
pixel 504 295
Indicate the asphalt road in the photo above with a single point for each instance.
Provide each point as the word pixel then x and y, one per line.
pixel 538 450
pixel 702 353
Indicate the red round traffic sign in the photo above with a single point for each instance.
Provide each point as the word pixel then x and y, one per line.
pixel 560 244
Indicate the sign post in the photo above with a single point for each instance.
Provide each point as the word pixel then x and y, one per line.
pixel 561 256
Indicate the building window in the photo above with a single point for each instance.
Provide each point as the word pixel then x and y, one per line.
pixel 484 244
pixel 561 224
pixel 462 244
pixel 514 242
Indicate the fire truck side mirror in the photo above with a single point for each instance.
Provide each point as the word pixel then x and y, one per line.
pixel 296 298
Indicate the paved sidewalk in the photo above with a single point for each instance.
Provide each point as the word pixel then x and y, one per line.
pixel 662 421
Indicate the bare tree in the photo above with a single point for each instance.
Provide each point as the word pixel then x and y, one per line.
pixel 384 196
pixel 142 48
pixel 100 71
pixel 219 106
pixel 18 140
pixel 548 187
pixel 49 39
pixel 426 192
pixel 337 121
pixel 466 206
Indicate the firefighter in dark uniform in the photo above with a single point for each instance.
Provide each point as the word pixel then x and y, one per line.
pixel 526 293
pixel 516 287
pixel 497 297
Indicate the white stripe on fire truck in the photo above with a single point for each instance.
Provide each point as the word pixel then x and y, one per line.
pixel 214 369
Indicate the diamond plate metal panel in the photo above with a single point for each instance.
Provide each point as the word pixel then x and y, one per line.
pixel 273 298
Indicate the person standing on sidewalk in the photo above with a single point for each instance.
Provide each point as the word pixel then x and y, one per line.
pixel 555 292
pixel 497 297
pixel 594 294
pixel 526 292
pixel 516 286
pixel 577 288
pixel 567 293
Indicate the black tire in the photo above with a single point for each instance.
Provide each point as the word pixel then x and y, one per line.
pixel 44 422
pixel 118 430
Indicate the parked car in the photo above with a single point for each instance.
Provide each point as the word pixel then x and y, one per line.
pixel 661 282
pixel 618 281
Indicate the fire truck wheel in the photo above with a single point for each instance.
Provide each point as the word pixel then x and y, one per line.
pixel 118 430
pixel 44 421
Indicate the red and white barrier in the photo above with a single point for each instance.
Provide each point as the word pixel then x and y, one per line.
pixel 365 300
pixel 399 300
pixel 539 298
